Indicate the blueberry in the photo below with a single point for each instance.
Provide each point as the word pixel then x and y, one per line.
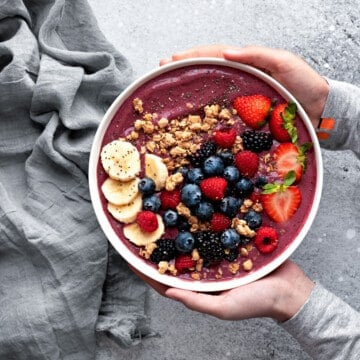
pixel 231 174
pixel 227 157
pixel 170 218
pixel 191 195
pixel 183 223
pixel 184 242
pixel 151 203
pixel 195 175
pixel 260 181
pixel 253 219
pixel 182 170
pixel 229 205
pixel 146 186
pixel 244 187
pixel 213 165
pixel 230 238
pixel 204 211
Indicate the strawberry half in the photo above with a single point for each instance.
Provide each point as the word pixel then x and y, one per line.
pixel 225 137
pixel 282 122
pixel 266 239
pixel 253 110
pixel 290 157
pixel 281 201
pixel 214 187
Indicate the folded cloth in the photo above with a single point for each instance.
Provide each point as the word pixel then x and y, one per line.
pixel 58 282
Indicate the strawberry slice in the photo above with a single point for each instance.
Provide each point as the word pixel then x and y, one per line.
pixel 290 157
pixel 281 201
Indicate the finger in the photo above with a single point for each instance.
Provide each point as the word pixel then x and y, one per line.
pixel 214 50
pixel 270 59
pixel 204 303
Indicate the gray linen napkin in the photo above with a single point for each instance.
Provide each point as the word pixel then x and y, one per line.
pixel 58 283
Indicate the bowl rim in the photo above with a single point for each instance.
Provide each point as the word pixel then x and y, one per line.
pixel 136 261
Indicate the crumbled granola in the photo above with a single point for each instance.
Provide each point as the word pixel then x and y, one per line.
pixel 242 228
pixel 247 265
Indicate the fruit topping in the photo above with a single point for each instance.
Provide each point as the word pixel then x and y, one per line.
pixel 184 262
pixel 290 157
pixel 247 163
pixel 253 109
pixel 219 222
pixel 156 170
pixel 266 239
pixel 170 199
pixel 214 188
pixel 257 141
pixel 282 122
pixel 184 242
pixel 165 251
pixel 209 246
pixel 206 150
pixel 225 137
pixel 147 221
pixel 121 160
pixel 281 201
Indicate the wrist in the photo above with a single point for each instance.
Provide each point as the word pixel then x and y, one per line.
pixel 293 292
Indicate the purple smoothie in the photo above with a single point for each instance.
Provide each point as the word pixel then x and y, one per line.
pixel 169 95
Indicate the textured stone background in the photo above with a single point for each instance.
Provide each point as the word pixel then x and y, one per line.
pixel 326 34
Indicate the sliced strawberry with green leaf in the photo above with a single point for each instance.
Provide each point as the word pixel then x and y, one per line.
pixel 291 157
pixel 282 122
pixel 281 201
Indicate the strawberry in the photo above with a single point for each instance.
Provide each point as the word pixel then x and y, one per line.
pixel 247 163
pixel 147 221
pixel 219 222
pixel 170 199
pixel 253 109
pixel 184 262
pixel 225 137
pixel 288 156
pixel 281 201
pixel 214 187
pixel 266 239
pixel 282 122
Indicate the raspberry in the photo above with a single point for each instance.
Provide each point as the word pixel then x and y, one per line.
pixel 165 251
pixel 257 141
pixel 209 246
pixel 170 199
pixel 184 262
pixel 207 149
pixel 219 222
pixel 225 138
pixel 147 221
pixel 214 187
pixel 266 239
pixel 247 163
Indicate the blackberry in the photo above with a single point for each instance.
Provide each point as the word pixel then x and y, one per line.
pixel 207 149
pixel 164 251
pixel 257 141
pixel 209 246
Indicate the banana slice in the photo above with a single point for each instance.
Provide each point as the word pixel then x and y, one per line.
pixel 156 170
pixel 140 238
pixel 121 160
pixel 119 192
pixel 126 213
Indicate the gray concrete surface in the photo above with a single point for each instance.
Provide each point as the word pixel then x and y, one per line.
pixel 326 34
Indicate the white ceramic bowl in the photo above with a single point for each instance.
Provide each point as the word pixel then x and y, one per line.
pixel 141 264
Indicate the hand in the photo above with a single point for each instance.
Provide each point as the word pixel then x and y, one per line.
pixel 279 296
pixel 309 88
